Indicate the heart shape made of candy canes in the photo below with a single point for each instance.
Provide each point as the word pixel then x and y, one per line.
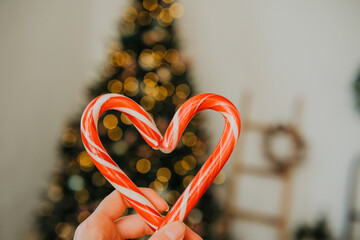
pixel 147 128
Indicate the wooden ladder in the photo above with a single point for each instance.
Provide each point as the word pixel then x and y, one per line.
pixel 281 220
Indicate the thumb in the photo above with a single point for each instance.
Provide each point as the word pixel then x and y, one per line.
pixel 172 231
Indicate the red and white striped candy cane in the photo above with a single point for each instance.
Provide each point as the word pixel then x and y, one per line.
pixel 147 128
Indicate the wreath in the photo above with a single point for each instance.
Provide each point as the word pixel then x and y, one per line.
pixel 297 143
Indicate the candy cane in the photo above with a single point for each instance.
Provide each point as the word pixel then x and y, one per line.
pixel 147 128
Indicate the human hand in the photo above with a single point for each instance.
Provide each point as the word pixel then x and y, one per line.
pixel 106 223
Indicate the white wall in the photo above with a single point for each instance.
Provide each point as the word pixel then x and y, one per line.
pixel 282 50
pixel 50 51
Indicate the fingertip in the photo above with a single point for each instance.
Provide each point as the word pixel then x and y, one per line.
pixel 172 231
pixel 160 204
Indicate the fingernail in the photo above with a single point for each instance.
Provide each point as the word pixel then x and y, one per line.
pixel 175 230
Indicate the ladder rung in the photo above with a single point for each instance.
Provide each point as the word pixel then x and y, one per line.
pixel 257 217
pixel 259 171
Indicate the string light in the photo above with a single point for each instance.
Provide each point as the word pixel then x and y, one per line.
pixel 188 162
pixel 146 59
pixel 110 121
pixel 178 68
pixel 155 13
pixel 143 165
pixel 120 147
pixel 130 14
pixel 115 86
pixel 131 86
pixel 55 193
pixel 98 179
pixel 147 102
pixel 46 208
pixel 171 56
pixel 75 182
pixel 81 196
pixel 163 174
pixel 199 149
pixel 150 5
pixel 176 10
pixel 85 161
pixel 182 91
pixel 195 216
pixel 169 88
pixel 187 180
pixel 179 169
pixel 189 139
pixel 172 196
pixel 69 138
pixel 159 49
pixel 158 186
pixel 115 133
pixel 220 178
pixel 160 93
pixel 64 230
pixel 168 1
pixel 151 79
pixel 144 18
pixel 128 28
pixel 164 73
pixel 165 18
pixel 125 119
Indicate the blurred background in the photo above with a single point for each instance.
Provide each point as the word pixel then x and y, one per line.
pixel 291 68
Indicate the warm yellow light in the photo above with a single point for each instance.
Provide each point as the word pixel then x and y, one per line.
pixel 131 86
pixel 178 167
pixel 160 93
pixel 115 133
pixel 110 121
pixel 81 196
pixel 146 59
pixel 172 55
pixel 189 139
pixel 64 230
pixel 187 180
pixel 165 17
pixel 159 49
pixel 172 196
pixel 169 87
pixel 69 138
pixel 98 179
pixel 176 10
pixel 150 79
pixel 147 102
pixel 163 174
pixel 164 73
pixel 158 186
pixel 46 208
pixel 130 14
pixel 150 5
pixel 155 13
pixel 178 68
pixel 55 193
pixel 85 161
pixel 144 18
pixel 199 149
pixel 220 178
pixel 188 162
pixel 168 1
pixel 125 119
pixel 114 86
pixel 182 91
pixel 143 165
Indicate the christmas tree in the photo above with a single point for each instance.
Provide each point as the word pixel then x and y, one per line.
pixel 145 65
